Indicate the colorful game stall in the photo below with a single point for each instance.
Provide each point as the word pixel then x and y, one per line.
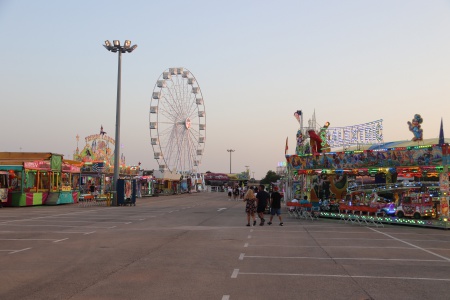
pixel 39 178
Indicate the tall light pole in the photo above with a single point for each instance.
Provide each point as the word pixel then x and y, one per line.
pixel 116 47
pixel 231 151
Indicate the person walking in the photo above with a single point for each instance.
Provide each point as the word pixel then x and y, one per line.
pixel 275 206
pixel 250 206
pixel 236 193
pixel 262 198
pixel 230 192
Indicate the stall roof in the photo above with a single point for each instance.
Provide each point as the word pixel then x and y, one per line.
pixel 26 156
pixel 166 175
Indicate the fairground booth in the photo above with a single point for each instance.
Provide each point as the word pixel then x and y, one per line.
pixel 354 165
pixel 40 178
pixel 166 182
pixel 216 182
pixel 97 159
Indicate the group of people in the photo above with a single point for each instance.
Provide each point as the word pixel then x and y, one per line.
pixel 256 203
pixel 235 192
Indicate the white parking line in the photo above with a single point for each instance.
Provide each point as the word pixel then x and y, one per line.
pixel 44 225
pixel 226 297
pixel 27 239
pixel 333 246
pixel 344 258
pixel 245 245
pixel 73 221
pixel 341 276
pixel 235 273
pixel 241 257
pixel 60 240
pixel 412 245
pixel 19 250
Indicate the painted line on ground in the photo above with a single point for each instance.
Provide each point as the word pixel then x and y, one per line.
pixel 75 221
pixel 345 258
pixel 27 239
pixel 249 236
pixel 16 251
pixel 36 218
pixel 412 245
pixel 60 240
pixel 363 232
pixel 352 247
pixel 45 225
pixel 241 257
pixel 344 276
pixel 91 232
pixel 235 273
pixel 245 245
pixel 226 297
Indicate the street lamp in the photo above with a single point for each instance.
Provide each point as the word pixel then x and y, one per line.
pixel 230 150
pixel 116 47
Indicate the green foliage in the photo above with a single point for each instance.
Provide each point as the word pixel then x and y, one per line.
pixel 271 176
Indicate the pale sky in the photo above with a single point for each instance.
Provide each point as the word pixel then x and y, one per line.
pixel 257 62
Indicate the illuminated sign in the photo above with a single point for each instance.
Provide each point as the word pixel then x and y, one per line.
pixel 99 137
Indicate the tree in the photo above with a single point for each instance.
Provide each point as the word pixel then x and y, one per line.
pixel 271 176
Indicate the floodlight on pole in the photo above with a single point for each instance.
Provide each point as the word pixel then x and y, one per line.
pixel 231 151
pixel 116 47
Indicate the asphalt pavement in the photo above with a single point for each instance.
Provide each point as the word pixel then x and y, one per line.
pixel 196 246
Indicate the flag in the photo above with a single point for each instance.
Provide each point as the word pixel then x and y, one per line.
pixel 286 147
pixel 297 115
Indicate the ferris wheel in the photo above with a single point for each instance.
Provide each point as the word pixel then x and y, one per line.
pixel 177 121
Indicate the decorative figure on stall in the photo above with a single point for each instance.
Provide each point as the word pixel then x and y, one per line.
pixel 300 141
pixel 315 141
pixel 102 133
pixel 318 141
pixel 323 137
pixel 415 127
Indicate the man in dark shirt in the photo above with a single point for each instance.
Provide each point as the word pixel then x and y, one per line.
pixel 275 206
pixel 262 199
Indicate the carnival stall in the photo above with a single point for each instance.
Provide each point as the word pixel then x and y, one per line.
pixel 166 182
pixel 355 164
pixel 39 178
pixel 97 158
pixel 146 183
